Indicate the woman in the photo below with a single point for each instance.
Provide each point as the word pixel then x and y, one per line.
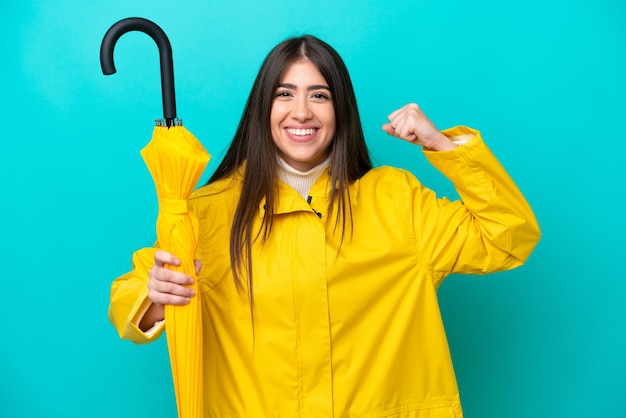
pixel 318 272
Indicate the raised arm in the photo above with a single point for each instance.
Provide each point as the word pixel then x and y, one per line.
pixel 492 227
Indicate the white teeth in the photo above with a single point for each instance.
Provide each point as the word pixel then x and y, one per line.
pixel 300 132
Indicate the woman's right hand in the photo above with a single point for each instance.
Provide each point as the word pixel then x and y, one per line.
pixel 166 287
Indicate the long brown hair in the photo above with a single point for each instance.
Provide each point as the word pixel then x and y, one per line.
pixel 253 145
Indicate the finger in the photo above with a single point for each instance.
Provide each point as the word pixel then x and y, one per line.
pixel 408 136
pixel 170 288
pixel 405 128
pixel 163 274
pixel 198 265
pixel 389 129
pixel 163 257
pixel 395 113
pixel 168 293
pixel 167 299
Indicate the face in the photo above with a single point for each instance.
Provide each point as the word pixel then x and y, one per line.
pixel 303 116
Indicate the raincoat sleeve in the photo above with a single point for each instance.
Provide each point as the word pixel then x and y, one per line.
pixel 491 228
pixel 129 300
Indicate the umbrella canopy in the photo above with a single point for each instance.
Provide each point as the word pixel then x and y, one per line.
pixel 176 160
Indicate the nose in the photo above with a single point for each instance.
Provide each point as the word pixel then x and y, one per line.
pixel 301 110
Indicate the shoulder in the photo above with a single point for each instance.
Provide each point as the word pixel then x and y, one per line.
pixel 222 193
pixel 387 183
pixel 391 177
pixel 219 187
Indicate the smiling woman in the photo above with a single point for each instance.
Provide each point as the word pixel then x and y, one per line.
pixel 319 272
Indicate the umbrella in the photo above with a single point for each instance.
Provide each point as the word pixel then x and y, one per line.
pixel 176 160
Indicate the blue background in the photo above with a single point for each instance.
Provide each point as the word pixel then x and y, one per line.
pixel 543 81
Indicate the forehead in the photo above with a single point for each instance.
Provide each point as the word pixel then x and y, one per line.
pixel 302 72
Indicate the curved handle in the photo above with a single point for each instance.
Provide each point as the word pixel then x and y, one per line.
pixel 165 53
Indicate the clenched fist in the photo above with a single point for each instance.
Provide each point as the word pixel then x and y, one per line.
pixel 410 124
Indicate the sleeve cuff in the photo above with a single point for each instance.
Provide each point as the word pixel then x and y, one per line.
pixel 158 325
pixel 460 135
pixel 152 331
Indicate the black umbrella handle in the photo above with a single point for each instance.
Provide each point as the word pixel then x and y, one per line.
pixel 165 53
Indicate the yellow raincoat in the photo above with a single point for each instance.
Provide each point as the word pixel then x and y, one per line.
pixel 349 333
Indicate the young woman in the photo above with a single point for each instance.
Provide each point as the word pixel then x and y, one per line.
pixel 319 273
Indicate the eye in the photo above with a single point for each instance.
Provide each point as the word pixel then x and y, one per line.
pixel 283 94
pixel 320 97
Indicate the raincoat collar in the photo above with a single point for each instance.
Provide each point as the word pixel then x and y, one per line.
pixel 290 200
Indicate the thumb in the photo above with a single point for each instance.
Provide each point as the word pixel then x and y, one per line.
pixel 389 129
pixel 198 265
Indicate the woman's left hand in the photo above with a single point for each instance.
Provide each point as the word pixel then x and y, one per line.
pixel 410 124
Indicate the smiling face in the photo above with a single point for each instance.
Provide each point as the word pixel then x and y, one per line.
pixel 302 118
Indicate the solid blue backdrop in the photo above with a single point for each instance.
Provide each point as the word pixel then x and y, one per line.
pixel 543 81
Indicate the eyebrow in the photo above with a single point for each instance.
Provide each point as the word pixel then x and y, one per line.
pixel 310 88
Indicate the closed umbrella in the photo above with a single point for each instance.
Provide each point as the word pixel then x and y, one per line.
pixel 176 160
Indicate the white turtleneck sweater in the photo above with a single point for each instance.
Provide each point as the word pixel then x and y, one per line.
pixel 299 181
